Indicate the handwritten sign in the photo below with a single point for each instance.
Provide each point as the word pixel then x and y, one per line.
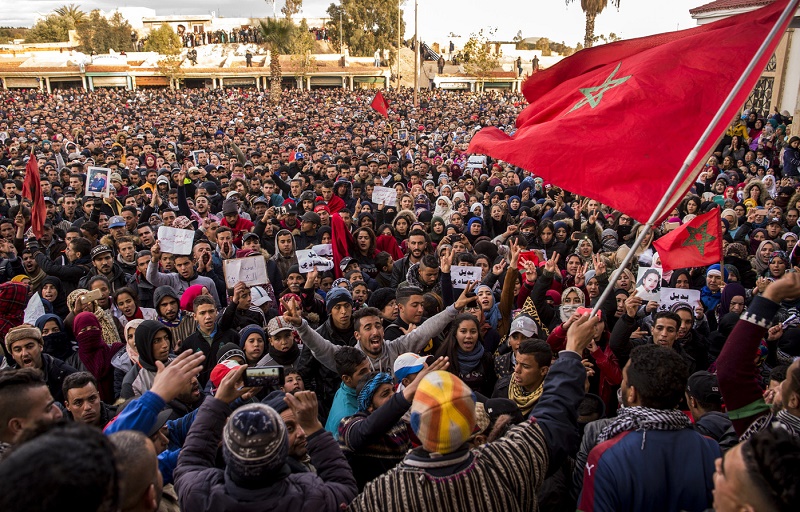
pixel 461 276
pixel 175 241
pixel 308 259
pixel 385 195
pixel 670 296
pixel 250 271
pixel 323 250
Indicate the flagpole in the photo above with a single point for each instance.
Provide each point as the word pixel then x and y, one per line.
pixel 788 11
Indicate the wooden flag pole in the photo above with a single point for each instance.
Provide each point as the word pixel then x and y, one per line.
pixel 662 204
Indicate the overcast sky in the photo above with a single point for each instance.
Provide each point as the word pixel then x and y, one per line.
pixel 437 18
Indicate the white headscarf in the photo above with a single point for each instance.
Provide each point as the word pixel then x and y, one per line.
pixel 444 212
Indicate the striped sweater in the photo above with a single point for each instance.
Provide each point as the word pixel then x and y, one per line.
pixel 502 476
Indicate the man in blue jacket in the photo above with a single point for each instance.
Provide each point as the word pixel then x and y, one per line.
pixel 649 457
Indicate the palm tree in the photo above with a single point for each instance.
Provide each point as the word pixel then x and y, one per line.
pixel 72 12
pixel 592 8
pixel 277 34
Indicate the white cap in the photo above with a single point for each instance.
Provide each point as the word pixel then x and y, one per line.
pixel 259 296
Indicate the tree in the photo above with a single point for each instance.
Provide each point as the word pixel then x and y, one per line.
pixel 51 29
pixel 277 35
pixel 98 35
pixel 367 26
pixel 479 59
pixel 543 44
pixel 170 67
pixel 163 40
pixel 291 8
pixel 592 8
pixel 72 12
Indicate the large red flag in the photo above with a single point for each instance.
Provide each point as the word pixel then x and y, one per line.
pixel 380 104
pixel 616 122
pixel 698 243
pixel 32 189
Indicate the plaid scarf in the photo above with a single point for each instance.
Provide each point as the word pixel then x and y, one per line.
pixel 644 418
pixel 782 419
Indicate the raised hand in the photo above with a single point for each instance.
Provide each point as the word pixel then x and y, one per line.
pixel 172 380
pixel 632 304
pixel 291 313
pixel 463 300
pixel 552 263
pixel 499 267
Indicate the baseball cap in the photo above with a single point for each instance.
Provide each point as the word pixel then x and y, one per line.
pixel 260 199
pixel 345 261
pixel 116 222
pixel 277 325
pixel 231 194
pixel 408 364
pixel 259 296
pixel 774 220
pixel 311 217
pixel 248 236
pixel 100 249
pixel 704 386
pixel 525 325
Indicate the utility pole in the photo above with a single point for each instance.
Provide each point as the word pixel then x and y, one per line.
pixel 399 43
pixel 416 53
pixel 341 40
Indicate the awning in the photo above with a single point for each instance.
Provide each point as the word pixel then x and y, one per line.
pixel 110 81
pixel 161 81
pixel 326 80
pixel 25 82
pixel 239 80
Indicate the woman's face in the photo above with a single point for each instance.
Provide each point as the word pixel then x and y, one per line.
pixel 485 299
pixel 546 235
pixel 777 268
pixel 438 228
pixel 650 282
pixel 573 265
pixel 50 327
pixel 497 212
pixel 561 234
pixel 475 228
pixel 441 203
pixel 49 292
pixel 624 282
pixel 406 203
pixel 691 207
pixel 484 264
pixel 765 251
pixel 126 304
pixel 363 241
pixel 366 222
pixel 682 282
pixel 514 204
pixel 755 192
pixel 463 208
pixel 572 299
pixel 326 238
pixel 459 247
pixel 586 249
pixel 401 226
pixel 467 335
pixel 593 288
pixel 736 305
pixel 457 220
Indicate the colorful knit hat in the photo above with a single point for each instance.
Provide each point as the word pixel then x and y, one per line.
pixel 443 412
pixel 369 388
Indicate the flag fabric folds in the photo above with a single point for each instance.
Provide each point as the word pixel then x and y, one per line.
pixel 616 122
pixel 698 243
pixel 32 189
pixel 380 104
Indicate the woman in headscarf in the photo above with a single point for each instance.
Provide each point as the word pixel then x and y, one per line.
pixel 437 229
pixel 109 328
pixel 514 204
pixel 778 263
pixel 770 185
pixel 468 359
pixel 95 354
pixel 681 278
pixel 57 340
pixel 124 360
pixel 665 276
pixel 760 259
pixel 53 291
pixel 474 230
pixel 444 208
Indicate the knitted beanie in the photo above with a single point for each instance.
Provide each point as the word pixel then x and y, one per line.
pixel 228 351
pixel 251 329
pixel 443 412
pixel 23 332
pixel 254 441
pixel 381 297
pixel 336 296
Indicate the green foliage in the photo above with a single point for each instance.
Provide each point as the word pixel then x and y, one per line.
pixel 291 8
pixel 163 40
pixel 480 58
pixel 98 35
pixel 11 33
pixel 367 25
pixel 73 12
pixel 543 44
pixel 50 29
pixel 591 9
pixel 278 34
pixel 301 41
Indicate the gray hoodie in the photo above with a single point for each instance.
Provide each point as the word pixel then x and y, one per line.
pixel 282 262
pixel 414 341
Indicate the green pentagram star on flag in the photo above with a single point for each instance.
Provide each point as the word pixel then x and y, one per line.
pixel 595 94
pixel 699 237
pixel 698 243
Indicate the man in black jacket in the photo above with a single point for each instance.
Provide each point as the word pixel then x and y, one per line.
pixel 25 344
pixel 418 245
pixel 77 254
pixel 103 264
pixel 209 336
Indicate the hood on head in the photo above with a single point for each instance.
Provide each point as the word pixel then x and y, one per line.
pixel 162 292
pixel 143 337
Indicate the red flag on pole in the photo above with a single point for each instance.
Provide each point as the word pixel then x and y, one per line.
pixel 32 189
pixel 698 243
pixel 380 104
pixel 617 121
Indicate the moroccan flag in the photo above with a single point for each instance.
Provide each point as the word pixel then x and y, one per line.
pixel 380 104
pixel 615 122
pixel 698 243
pixel 32 189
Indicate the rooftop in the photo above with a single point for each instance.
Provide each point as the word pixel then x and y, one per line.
pixel 725 5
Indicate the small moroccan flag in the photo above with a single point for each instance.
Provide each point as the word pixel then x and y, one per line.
pixel 697 243
pixel 380 104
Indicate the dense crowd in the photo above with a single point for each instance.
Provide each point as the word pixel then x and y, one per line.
pixel 125 380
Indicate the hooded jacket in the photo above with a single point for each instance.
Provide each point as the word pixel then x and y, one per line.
pixel 178 283
pixel 143 338
pixel 183 326
pixel 60 304
pixel 283 262
pixel 412 278
pixel 60 345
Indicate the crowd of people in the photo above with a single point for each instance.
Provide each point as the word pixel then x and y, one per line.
pixel 125 381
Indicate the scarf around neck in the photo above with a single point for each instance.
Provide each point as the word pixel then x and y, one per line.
pixel 644 419
pixel 284 358
pixel 525 401
pixel 468 361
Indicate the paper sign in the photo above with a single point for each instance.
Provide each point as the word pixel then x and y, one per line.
pixel 195 156
pixel 670 296
pixel 385 195
pixel 323 250
pixel 34 310
pixel 461 276
pixel 648 284
pixel 250 271
pixel 98 182
pixel 308 259
pixel 527 256
pixel 175 241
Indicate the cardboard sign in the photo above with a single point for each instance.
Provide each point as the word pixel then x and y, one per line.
pixel 670 296
pixel 175 241
pixel 385 195
pixel 527 256
pixel 308 259
pixel 98 182
pixel 461 276
pixel 250 271
pixel 323 250
pixel 34 309
pixel 648 284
